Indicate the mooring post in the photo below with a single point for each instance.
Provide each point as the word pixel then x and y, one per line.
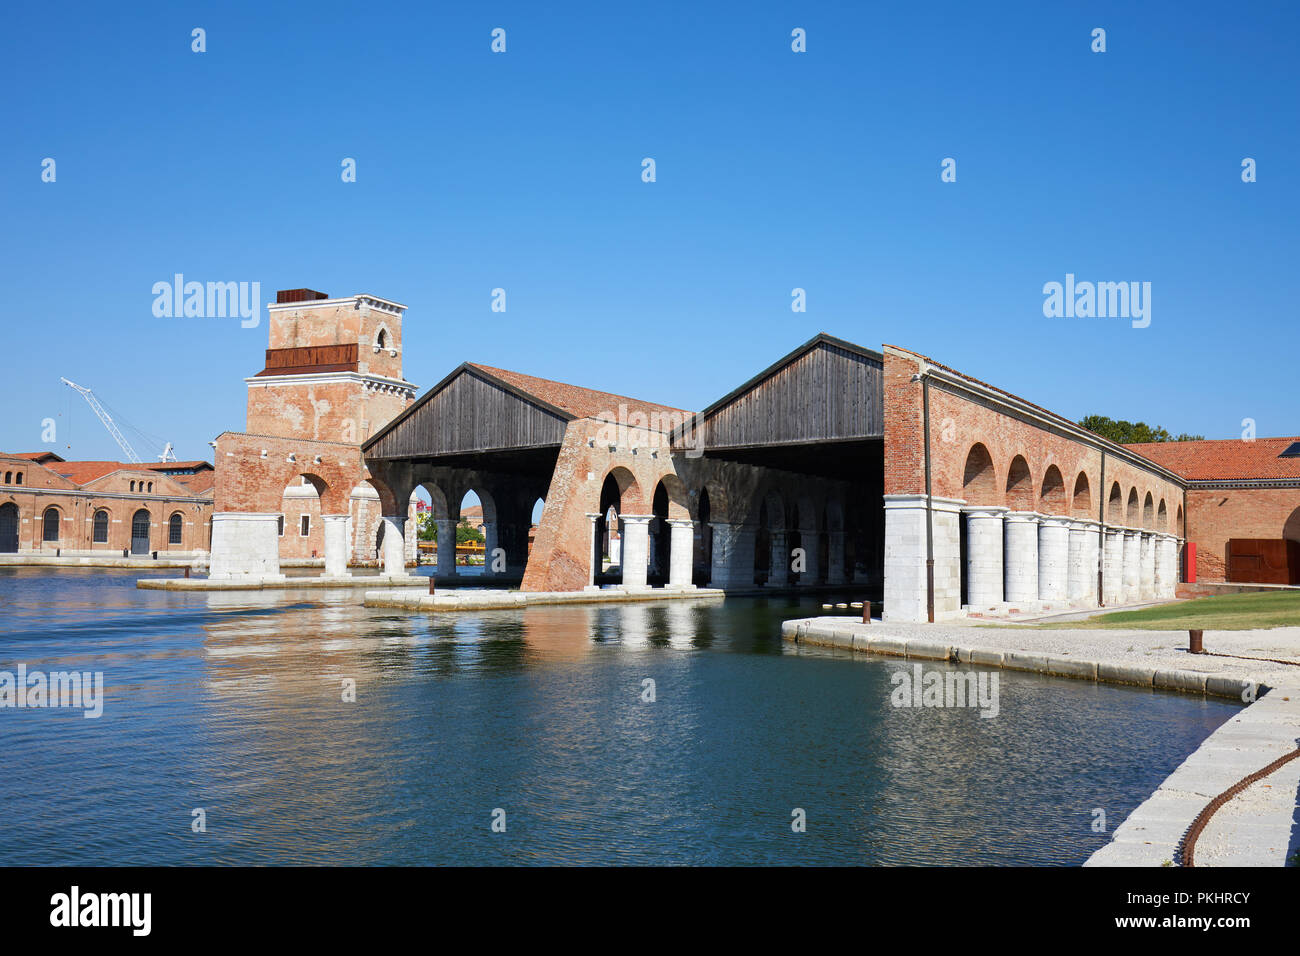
pixel 1194 642
pixel 431 584
pixel 866 612
pixel 187 570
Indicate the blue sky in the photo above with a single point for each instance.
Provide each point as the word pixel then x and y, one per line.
pixel 775 170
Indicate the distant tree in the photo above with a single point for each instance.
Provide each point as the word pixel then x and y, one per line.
pixel 466 532
pixel 1131 433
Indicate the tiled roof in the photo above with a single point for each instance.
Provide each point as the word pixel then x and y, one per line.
pixel 81 472
pixel 166 465
pixel 573 399
pixel 1229 459
pixel 37 456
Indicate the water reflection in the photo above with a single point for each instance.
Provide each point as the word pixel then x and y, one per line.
pixel 235 702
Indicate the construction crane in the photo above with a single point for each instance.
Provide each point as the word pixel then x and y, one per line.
pixel 98 409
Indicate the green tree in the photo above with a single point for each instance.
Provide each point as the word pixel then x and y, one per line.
pixel 1131 433
pixel 465 532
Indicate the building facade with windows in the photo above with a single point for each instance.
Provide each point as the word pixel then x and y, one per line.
pixel 50 507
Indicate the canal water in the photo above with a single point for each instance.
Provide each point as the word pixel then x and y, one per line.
pixel 233 704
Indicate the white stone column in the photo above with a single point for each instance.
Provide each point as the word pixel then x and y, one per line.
pixel 1161 565
pixel 593 552
pixel 1147 566
pixel 1132 567
pixel 636 549
pixel 835 558
pixel 810 541
pixel 681 552
pixel 336 545
pixel 779 574
pixel 984 574
pixel 395 545
pixel 1020 556
pixel 1081 587
pixel 1113 567
pixel 446 547
pixel 1171 567
pixel 905 557
pixel 1053 558
pixel 245 546
pixel 732 564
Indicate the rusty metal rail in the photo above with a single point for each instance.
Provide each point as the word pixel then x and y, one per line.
pixel 1187 849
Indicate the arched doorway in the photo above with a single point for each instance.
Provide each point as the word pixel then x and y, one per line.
pixel 8 528
pixel 140 532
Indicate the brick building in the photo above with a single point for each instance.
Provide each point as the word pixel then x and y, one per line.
pixel 885 471
pixel 293 484
pixel 1243 506
pixel 52 507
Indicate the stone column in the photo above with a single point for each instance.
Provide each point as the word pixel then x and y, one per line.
pixel 446 547
pixel 1132 566
pixel 336 545
pixel 1147 566
pixel 491 541
pixel 1113 568
pixel 1053 558
pixel 395 545
pixel 1020 552
pixel 681 552
pixel 593 552
pixel 1081 586
pixel 1161 582
pixel 810 541
pixel 245 546
pixel 1171 566
pixel 835 558
pixel 779 575
pixel 733 556
pixel 636 549
pixel 984 574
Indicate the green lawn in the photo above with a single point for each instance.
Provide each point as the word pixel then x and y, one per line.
pixel 1231 612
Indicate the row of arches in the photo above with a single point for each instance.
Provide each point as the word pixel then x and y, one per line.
pixel 1055 494
pixel 53 533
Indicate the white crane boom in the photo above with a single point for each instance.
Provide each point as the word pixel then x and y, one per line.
pixel 104 417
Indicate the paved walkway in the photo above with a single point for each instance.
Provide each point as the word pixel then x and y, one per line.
pixel 1259 827
pixel 475 599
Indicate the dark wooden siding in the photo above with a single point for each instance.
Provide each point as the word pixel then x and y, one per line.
pixel 468 415
pixel 826 394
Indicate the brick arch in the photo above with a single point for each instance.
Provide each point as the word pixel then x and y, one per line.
pixel 810 513
pixel 776 513
pixel 1148 512
pixel 679 502
pixel 1051 497
pixel 1178 527
pixel 1115 505
pixel 719 501
pixel 1020 485
pixel 439 503
pixel 1290 529
pixel 1081 502
pixel 628 496
pixel 979 481
pixel 1131 515
pixel 1162 516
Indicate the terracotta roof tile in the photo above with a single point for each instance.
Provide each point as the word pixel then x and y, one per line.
pixel 1229 459
pixel 577 401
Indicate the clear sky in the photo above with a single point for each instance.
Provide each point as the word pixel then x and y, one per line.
pixel 775 170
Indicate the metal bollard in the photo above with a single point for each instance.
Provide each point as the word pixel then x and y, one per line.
pixel 866 612
pixel 1194 642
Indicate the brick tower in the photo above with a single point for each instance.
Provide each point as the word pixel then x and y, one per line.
pixel 332 378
